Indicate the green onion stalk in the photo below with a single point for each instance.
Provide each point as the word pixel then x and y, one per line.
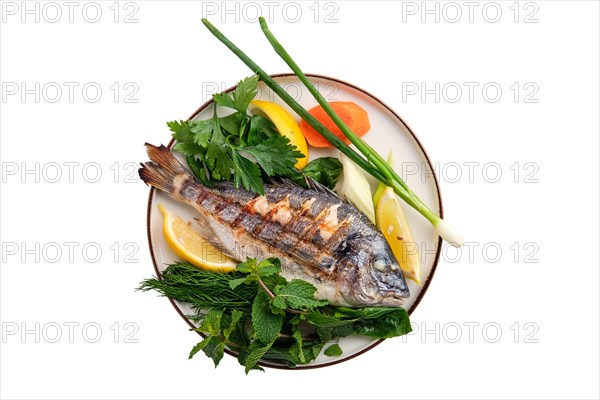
pixel 372 162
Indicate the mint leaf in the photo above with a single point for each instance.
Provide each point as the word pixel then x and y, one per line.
pixel 255 352
pixel 299 294
pixel 212 321
pixel 296 349
pixel 246 174
pixel 333 351
pixel 201 345
pixel 276 155
pixel 239 281
pixel 329 327
pixel 266 325
pixel 247 266
pixel 268 267
pixel 236 315
pixel 215 349
pixel 241 96
pixel 274 280
pixel 321 320
pixel 278 305
pixel 377 322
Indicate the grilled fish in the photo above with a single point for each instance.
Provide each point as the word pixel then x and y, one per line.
pixel 318 237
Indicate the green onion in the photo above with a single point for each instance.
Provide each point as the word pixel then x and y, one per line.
pixel 294 105
pixel 374 164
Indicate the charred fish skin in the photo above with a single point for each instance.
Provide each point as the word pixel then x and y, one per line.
pixel 318 237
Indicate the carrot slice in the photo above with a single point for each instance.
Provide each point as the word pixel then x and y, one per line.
pixel 351 113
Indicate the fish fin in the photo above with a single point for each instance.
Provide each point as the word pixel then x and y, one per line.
pixel 287 182
pixel 162 170
pixel 224 185
pixel 311 184
pixel 319 187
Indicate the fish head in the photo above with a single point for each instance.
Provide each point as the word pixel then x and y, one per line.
pixel 372 276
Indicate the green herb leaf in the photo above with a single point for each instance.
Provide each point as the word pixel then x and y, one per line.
pixel 246 174
pixel 299 294
pixel 325 170
pixel 255 352
pixel 296 350
pixel 212 321
pixel 218 155
pixel 321 320
pixel 261 129
pixel 333 351
pixel 187 148
pixel 224 99
pixel 198 169
pixel 241 97
pixel 377 322
pixel 237 147
pixel 248 266
pixel 236 315
pixel 237 282
pixel 201 345
pixel 266 325
pixel 203 130
pixel 329 327
pixel 201 288
pixel 274 280
pixel 180 130
pixel 255 270
pixel 278 305
pixel 275 155
pixel 233 123
pixel 268 267
pixel 215 349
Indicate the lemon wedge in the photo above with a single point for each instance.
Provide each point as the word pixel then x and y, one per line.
pixel 391 221
pixel 191 247
pixel 286 125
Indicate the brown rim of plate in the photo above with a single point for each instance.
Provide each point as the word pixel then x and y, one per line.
pixel 425 285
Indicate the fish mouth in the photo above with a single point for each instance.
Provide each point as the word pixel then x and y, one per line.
pixel 393 298
pixel 391 284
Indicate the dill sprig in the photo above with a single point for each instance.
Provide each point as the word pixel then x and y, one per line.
pixel 200 288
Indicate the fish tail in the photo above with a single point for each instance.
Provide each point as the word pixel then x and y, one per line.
pixel 164 172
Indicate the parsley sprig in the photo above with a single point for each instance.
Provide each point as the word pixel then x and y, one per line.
pixel 260 315
pixel 238 147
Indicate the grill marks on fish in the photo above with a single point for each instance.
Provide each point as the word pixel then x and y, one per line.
pixel 306 228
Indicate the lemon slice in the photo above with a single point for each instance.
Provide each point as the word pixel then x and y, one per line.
pixel 286 125
pixel 391 221
pixel 191 247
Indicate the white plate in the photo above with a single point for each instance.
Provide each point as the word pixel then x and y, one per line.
pixel 388 132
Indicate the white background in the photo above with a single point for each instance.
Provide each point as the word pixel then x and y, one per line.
pixel 383 47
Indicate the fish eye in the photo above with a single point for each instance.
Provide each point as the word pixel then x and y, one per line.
pixel 380 264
